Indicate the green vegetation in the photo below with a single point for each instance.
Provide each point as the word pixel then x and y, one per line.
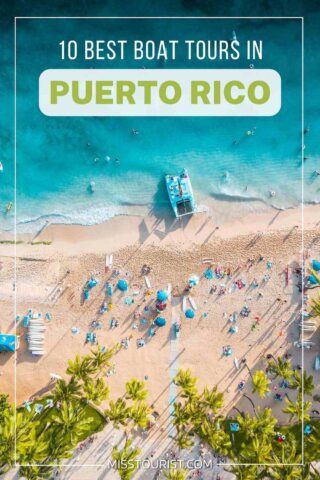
pixel 134 414
pixel 11 242
pixel 50 435
pixel 126 460
pixel 260 383
pixel 259 439
pixel 315 307
pixel 176 474
pixel 41 243
pixel 255 441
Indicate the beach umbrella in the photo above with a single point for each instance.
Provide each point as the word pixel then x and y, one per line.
pixel 193 280
pixel 189 313
pixel 122 285
pixel 208 274
pixel 160 322
pixel 316 265
pixel 162 295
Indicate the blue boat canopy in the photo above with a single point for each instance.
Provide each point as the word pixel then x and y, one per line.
pixel 8 343
pixel 180 194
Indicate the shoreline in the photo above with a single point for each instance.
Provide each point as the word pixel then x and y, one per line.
pixel 150 230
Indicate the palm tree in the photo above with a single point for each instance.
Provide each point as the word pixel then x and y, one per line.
pixel 175 473
pixel 287 461
pixel 100 358
pixel 281 368
pixel 66 391
pixel 139 413
pixel 195 410
pixel 17 433
pixel 58 448
pixel 4 405
pixel 35 451
pixel 118 412
pixel 186 382
pixel 312 444
pixel 298 409
pixel 184 441
pixel 97 391
pixel 315 305
pixel 258 450
pixel 244 362
pixel 262 424
pixel 244 472
pixel 217 438
pixel 252 403
pixel 181 416
pixel 260 383
pixel 35 472
pixel 303 383
pixel 135 390
pixel 213 399
pixel 126 459
pixel 70 421
pixel 81 368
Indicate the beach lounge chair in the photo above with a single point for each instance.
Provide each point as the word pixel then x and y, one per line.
pixel 169 291
pixel 176 329
pixel 227 350
pixel 91 337
pixel 109 263
pixel 306 344
pixel 184 304
pixel 109 289
pixel 192 303
pixel 147 282
pixel 38 408
pixel 151 332
pixel 317 363
pixel 93 282
pixel 86 294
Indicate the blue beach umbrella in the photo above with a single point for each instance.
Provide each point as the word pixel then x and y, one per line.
pixel 122 285
pixel 193 280
pixel 316 265
pixel 160 322
pixel 208 274
pixel 162 295
pixel 189 313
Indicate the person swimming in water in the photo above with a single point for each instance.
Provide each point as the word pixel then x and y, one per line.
pixel 135 132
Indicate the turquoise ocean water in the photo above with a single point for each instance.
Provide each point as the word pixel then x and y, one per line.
pixel 58 157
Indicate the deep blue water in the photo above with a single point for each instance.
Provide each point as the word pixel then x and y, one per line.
pixel 55 164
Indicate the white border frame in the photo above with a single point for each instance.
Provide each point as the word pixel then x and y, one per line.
pixel 15 203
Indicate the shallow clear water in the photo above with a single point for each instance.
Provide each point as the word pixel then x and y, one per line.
pixel 56 156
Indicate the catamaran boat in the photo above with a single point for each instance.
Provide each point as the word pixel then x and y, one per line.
pixel 181 194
